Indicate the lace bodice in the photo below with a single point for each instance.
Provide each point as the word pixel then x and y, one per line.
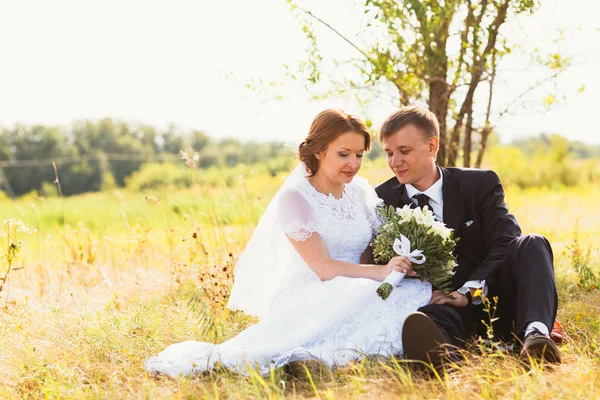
pixel 346 225
pixel 270 268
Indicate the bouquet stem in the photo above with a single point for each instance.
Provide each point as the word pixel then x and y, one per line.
pixel 385 289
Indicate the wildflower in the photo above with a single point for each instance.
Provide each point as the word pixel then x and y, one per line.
pixel 13 226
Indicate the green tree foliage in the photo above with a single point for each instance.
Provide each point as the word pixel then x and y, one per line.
pixel 153 176
pixel 96 155
pixel 29 143
pixel 544 161
pixel 428 51
pixel 544 142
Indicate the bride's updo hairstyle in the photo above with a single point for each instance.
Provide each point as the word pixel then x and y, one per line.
pixel 327 127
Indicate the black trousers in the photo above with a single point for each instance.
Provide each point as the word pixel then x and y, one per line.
pixel 525 289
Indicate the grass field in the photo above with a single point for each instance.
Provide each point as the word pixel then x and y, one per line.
pixel 112 278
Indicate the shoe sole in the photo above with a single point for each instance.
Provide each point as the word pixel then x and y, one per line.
pixel 541 349
pixel 421 339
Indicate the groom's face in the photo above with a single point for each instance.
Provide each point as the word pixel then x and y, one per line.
pixel 411 156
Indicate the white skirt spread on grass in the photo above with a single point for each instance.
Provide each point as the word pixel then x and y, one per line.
pixel 335 321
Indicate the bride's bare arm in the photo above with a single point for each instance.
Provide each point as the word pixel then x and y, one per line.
pixel 314 252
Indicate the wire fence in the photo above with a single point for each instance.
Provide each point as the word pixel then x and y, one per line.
pixel 101 158
pixel 91 157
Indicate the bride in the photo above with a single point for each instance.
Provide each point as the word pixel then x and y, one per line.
pixel 307 271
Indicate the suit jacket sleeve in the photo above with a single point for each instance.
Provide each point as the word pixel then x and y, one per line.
pixel 498 227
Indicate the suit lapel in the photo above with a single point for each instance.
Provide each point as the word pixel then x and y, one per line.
pixel 452 202
pixel 402 198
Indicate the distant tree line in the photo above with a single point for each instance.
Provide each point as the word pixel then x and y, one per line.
pixel 89 155
pixel 96 155
pixel 543 142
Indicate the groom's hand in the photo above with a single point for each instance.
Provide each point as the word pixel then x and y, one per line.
pixel 439 297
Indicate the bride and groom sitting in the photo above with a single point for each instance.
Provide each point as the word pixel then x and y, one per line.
pixel 308 271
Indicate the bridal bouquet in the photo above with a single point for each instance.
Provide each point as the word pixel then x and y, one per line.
pixel 414 232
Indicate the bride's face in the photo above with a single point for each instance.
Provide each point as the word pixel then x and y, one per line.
pixel 342 158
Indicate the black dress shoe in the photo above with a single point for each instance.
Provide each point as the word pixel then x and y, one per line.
pixel 422 340
pixel 538 346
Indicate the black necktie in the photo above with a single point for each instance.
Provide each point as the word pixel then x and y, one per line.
pixel 423 200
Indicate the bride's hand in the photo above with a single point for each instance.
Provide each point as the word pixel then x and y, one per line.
pixel 401 264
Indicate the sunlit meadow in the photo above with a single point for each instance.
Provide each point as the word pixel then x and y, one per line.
pixel 109 279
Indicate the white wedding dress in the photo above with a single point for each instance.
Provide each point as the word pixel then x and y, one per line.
pixel 302 317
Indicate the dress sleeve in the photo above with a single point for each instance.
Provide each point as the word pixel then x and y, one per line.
pixel 296 216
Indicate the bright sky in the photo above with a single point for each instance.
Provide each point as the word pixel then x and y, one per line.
pixel 188 62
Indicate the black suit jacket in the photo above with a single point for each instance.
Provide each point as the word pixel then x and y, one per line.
pixel 474 207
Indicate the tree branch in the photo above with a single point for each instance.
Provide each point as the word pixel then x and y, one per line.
pixel 487 129
pixel 531 89
pixel 477 71
pixel 334 31
pixel 463 43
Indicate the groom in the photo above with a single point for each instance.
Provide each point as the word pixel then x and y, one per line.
pixel 494 259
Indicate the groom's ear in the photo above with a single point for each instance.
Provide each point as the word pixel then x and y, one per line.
pixel 434 145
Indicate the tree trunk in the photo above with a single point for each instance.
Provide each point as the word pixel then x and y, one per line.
pixel 485 134
pixel 438 104
pixel 467 140
pixel 454 142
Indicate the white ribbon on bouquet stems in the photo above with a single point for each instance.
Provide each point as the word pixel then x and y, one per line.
pixel 402 248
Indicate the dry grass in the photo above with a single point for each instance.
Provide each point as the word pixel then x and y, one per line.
pixel 110 279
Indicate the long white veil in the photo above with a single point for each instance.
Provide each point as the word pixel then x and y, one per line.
pixel 259 272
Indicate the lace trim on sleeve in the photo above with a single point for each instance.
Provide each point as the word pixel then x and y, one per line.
pixel 301 231
pixel 296 216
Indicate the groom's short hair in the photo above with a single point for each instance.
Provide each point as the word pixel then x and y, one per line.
pixel 423 119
